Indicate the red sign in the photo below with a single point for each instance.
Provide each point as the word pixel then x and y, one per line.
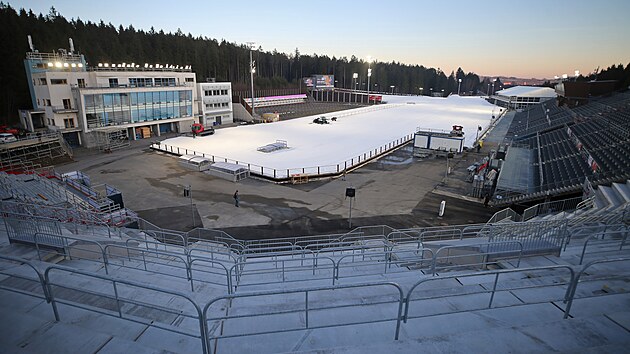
pixel 376 98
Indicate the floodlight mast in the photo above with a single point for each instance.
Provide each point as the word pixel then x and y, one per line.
pixel 369 73
pixel 252 70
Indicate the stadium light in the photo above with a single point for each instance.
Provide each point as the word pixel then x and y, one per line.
pixel 252 70
pixel 392 87
pixel 369 60
pixel 459 85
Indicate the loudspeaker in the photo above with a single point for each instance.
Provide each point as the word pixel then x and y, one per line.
pixel 350 192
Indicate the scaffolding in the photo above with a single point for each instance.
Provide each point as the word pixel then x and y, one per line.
pixel 40 149
pixel 110 139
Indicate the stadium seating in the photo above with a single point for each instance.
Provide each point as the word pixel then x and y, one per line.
pixel 599 137
pixel 372 289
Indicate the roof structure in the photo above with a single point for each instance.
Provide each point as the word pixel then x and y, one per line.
pixel 527 91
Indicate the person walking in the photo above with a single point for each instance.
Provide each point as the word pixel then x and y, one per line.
pixel 236 198
pixel 486 200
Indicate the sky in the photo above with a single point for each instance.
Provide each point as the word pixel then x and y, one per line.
pixel 525 38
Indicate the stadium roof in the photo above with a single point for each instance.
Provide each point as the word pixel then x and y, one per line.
pixel 528 91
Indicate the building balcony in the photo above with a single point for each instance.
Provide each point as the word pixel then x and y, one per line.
pixel 62 109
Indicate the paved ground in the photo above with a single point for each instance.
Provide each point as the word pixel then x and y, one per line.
pixel 397 190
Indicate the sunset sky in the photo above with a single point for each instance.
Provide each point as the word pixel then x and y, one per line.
pixel 532 38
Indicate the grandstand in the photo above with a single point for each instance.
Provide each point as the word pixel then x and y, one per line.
pixel 524 283
pixel 564 147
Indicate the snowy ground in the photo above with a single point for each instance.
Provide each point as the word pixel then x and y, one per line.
pixel 355 133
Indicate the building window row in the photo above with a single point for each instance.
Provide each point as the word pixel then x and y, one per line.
pixel 58 81
pixel 217 105
pixel 215 92
pixel 164 81
pixel 132 107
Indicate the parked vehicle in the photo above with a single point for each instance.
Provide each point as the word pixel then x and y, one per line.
pixel 7 138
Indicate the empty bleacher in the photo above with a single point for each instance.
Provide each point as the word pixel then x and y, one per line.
pixel 589 141
pixel 372 289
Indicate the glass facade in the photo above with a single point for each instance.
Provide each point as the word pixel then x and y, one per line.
pixel 108 109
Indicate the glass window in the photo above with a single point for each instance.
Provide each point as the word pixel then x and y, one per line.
pixel 134 98
pixel 113 82
pixel 107 100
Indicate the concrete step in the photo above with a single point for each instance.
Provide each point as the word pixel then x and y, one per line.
pixel 623 190
pixel 610 195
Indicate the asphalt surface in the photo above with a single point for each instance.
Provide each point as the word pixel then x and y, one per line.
pixel 397 190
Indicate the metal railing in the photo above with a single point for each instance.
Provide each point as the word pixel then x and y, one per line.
pixel 483 251
pixel 282 271
pixel 608 230
pixel 114 305
pixel 490 290
pixel 93 297
pixel 551 207
pixel 503 215
pixel 309 307
pixel 579 279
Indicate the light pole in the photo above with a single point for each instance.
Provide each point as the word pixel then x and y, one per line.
pixel 355 76
pixel 431 92
pixel 459 85
pixel 252 70
pixel 420 90
pixel 488 92
pixel 442 92
pixel 392 87
pixel 369 60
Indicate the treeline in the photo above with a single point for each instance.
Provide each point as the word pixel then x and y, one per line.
pixel 225 61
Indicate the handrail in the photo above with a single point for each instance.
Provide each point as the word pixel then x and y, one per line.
pixel 227 275
pixel 576 281
pixel 603 234
pixel 118 299
pixel 481 254
pixel 40 277
pixel 492 291
pixel 383 258
pixel 144 253
pixel 67 247
pixel 503 214
pixel 551 207
pixel 237 270
pixel 307 307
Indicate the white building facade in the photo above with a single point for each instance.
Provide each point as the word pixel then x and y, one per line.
pixel 519 97
pixel 215 103
pixel 138 101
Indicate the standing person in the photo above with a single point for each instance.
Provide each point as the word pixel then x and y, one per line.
pixel 486 200
pixel 236 198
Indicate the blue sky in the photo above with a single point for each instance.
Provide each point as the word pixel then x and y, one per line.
pixel 529 38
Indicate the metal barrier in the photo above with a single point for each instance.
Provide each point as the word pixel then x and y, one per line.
pixel 308 309
pixel 505 214
pixel 9 275
pixel 480 290
pixel 115 306
pixel 209 271
pixel 578 279
pixel 622 241
pixel 492 248
pixel 552 207
pixel 149 257
pixel 384 260
pixel 41 238
pixel 282 268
